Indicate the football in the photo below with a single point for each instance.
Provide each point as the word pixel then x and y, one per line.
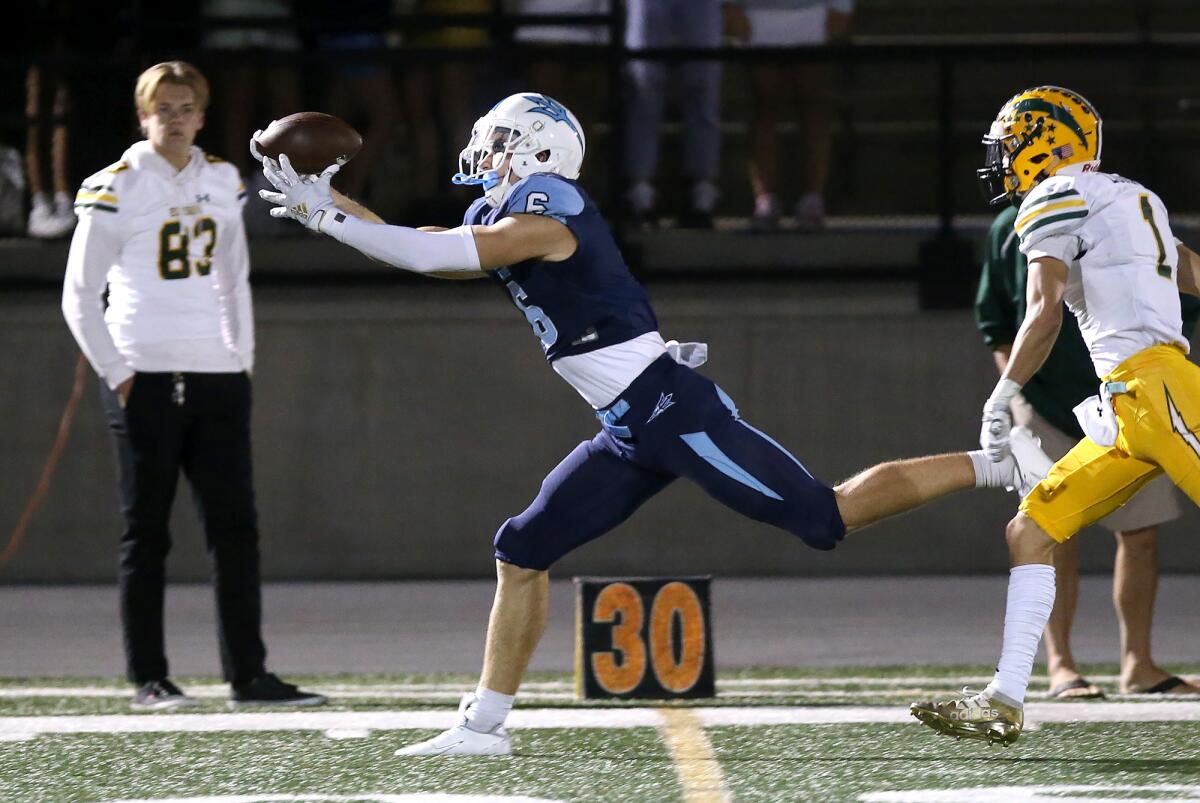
pixel 312 140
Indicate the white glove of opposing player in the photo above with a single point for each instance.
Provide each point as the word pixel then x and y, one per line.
pixel 997 420
pixel 303 198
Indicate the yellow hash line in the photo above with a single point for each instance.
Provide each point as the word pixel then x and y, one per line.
pixel 695 762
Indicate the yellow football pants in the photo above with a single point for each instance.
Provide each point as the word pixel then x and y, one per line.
pixel 1158 425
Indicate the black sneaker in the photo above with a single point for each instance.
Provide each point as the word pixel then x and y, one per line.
pixel 160 695
pixel 267 689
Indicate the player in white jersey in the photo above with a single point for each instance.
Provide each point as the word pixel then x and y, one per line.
pixel 1106 229
pixel 162 230
pixel 1102 244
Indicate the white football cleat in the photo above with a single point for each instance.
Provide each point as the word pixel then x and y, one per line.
pixel 1030 463
pixel 461 740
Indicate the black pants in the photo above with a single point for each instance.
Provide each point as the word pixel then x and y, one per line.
pixel 200 423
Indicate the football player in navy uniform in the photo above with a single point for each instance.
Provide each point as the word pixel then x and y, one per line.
pixel 537 235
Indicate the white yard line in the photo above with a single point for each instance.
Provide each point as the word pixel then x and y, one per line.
pixel 321 721
pixel 550 689
pixel 1034 712
pixel 1114 793
pixel 850 680
pixel 18 728
pixel 446 694
pixel 454 693
pixel 210 690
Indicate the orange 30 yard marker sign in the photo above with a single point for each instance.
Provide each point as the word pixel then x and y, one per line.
pixel 645 637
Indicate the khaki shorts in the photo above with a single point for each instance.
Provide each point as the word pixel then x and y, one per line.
pixel 1156 503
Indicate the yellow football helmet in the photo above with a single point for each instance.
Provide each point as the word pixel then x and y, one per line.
pixel 1036 134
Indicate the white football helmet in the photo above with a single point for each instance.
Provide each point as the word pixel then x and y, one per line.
pixel 539 133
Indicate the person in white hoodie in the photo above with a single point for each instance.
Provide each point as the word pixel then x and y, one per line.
pixel 161 230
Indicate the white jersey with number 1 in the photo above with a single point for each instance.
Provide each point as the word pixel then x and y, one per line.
pixel 1114 237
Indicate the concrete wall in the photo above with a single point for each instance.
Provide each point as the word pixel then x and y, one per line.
pixel 397 426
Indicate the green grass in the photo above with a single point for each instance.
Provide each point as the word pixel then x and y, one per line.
pixel 840 762
pixel 820 686
pixel 819 763
pixel 759 763
pixel 584 765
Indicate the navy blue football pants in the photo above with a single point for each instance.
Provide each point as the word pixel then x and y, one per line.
pixel 671 422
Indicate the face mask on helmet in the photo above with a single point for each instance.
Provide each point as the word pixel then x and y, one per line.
pixel 486 159
pixel 997 179
pixel 994 175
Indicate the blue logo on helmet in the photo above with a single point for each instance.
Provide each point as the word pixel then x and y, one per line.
pixel 543 104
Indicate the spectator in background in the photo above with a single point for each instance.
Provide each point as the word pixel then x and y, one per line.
pixel 574 83
pixel 1046 406
pixel 252 90
pixel 792 23
pixel 683 24
pixel 438 104
pixel 47 106
pixel 161 233
pixel 360 88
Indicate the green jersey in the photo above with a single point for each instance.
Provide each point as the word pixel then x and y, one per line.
pixel 1068 376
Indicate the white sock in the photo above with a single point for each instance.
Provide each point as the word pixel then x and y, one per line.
pixel 704 195
pixel 989 474
pixel 489 710
pixel 1030 600
pixel 641 196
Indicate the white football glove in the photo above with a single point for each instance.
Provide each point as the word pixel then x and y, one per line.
pixel 303 198
pixel 258 157
pixel 997 420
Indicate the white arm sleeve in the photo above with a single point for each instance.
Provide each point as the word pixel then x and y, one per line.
pixel 94 249
pixel 419 251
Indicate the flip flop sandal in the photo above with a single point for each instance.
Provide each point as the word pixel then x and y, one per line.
pixel 1166 686
pixel 1060 691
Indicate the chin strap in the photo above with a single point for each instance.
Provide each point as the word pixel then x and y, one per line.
pixel 488 180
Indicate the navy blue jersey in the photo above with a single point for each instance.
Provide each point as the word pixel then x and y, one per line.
pixel 585 302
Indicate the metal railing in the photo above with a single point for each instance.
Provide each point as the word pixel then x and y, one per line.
pixel 1141 51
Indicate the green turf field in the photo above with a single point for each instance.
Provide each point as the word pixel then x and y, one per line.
pixel 765 738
